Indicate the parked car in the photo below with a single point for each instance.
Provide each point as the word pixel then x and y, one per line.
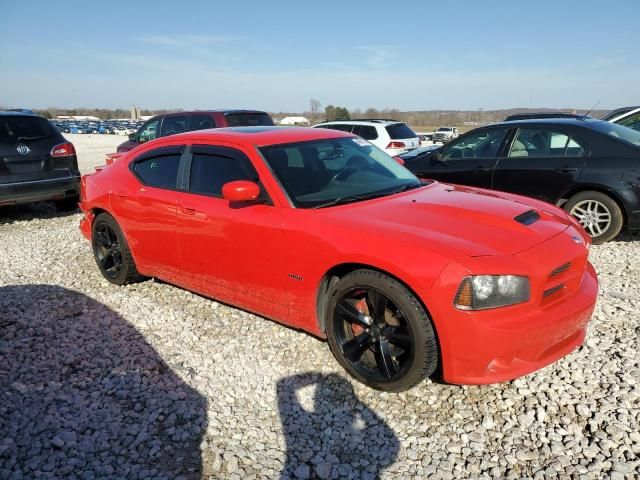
pixel 322 231
pixel 36 162
pixel 172 123
pixel 426 138
pixel 589 167
pixel 445 134
pixel 627 117
pixel 389 135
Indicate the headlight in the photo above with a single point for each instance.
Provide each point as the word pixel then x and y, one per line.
pixel 490 291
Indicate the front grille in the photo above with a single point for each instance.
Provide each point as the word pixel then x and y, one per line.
pixel 561 269
pixel 553 290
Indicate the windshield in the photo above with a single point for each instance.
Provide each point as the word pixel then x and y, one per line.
pixel 618 131
pixel 445 129
pixel 318 172
pixel 15 129
pixel 400 131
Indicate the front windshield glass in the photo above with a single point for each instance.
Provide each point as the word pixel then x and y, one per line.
pixel 335 170
pixel 618 131
pixel 444 129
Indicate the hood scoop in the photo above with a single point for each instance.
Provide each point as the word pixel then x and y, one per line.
pixel 528 217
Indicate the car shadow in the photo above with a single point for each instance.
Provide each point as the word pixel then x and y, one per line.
pixel 83 395
pixel 329 432
pixel 31 211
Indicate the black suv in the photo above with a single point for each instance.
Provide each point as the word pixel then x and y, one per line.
pixel 36 162
pixel 589 167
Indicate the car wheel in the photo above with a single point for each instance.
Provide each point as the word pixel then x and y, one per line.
pixel 111 251
pixel 598 214
pixel 66 204
pixel 379 332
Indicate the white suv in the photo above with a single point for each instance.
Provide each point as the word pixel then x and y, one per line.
pixel 391 136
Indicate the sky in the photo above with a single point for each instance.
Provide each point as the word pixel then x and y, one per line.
pixel 277 55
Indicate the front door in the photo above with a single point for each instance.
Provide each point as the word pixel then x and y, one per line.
pixel 468 160
pixel 230 251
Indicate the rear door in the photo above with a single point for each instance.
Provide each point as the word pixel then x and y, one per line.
pixel 541 162
pixel 25 149
pixel 468 160
pixel 146 207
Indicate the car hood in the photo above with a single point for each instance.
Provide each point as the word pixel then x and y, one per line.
pixel 473 222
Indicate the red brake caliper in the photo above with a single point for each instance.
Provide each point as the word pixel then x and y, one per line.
pixel 362 307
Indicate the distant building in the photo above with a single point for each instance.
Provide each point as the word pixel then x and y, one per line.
pixel 135 113
pixel 294 121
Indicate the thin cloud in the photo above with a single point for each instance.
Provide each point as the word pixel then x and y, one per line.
pixel 179 41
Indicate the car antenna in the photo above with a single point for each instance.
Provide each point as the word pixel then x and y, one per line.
pixel 591 109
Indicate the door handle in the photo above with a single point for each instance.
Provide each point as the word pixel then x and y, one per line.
pixel 482 169
pixel 566 169
pixel 187 210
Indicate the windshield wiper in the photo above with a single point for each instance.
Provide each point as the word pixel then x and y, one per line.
pixel 368 196
pixel 37 137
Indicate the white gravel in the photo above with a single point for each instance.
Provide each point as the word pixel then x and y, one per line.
pixel 151 381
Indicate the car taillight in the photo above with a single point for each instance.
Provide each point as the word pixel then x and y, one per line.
pixel 396 145
pixel 63 150
pixel 399 160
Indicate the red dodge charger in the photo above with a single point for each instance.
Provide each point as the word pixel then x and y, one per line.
pixel 322 231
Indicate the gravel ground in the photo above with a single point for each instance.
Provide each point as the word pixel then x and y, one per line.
pixel 92 148
pixel 151 381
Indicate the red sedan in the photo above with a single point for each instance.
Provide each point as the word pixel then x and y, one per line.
pixel 322 231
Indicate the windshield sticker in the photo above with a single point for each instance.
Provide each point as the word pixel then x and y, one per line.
pixel 361 142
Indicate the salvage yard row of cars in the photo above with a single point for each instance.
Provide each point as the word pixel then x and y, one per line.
pixel 319 229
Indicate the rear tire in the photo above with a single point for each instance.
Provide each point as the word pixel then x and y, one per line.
pixel 67 204
pixel 111 251
pixel 598 213
pixel 379 332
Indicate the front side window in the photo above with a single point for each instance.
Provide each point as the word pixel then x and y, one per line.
pixel 149 131
pixel 367 132
pixel 209 172
pixel 335 171
pixel 479 144
pixel 159 171
pixel 174 124
pixel 542 143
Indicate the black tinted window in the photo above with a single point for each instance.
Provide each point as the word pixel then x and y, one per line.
pixel 161 172
pixel 210 172
pixel 248 119
pixel 541 142
pixel 201 122
pixel 477 144
pixel 18 129
pixel 339 126
pixel 366 131
pixel 174 124
pixel 400 131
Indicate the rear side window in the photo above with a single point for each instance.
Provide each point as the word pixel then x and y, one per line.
pixel 22 129
pixel 366 131
pixel 210 172
pixel 160 171
pixel 541 142
pixel 400 131
pixel 248 120
pixel 174 124
pixel 201 122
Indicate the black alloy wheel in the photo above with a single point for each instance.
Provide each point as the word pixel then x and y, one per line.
pixel 379 332
pixel 107 250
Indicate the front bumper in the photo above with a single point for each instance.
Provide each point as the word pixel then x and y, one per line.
pixel 502 344
pixel 39 190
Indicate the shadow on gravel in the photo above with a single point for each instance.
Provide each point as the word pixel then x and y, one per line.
pixel 329 432
pixel 83 395
pixel 31 211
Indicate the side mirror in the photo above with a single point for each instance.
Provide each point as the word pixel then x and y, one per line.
pixel 132 137
pixel 240 191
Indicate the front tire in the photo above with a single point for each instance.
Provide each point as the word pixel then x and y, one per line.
pixel 598 213
pixel 111 251
pixel 379 332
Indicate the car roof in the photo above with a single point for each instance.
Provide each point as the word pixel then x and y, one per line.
pixel 571 121
pixel 264 136
pixel 366 121
pixel 223 111
pixel 9 113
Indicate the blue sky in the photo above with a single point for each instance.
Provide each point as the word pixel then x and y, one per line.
pixel 411 55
